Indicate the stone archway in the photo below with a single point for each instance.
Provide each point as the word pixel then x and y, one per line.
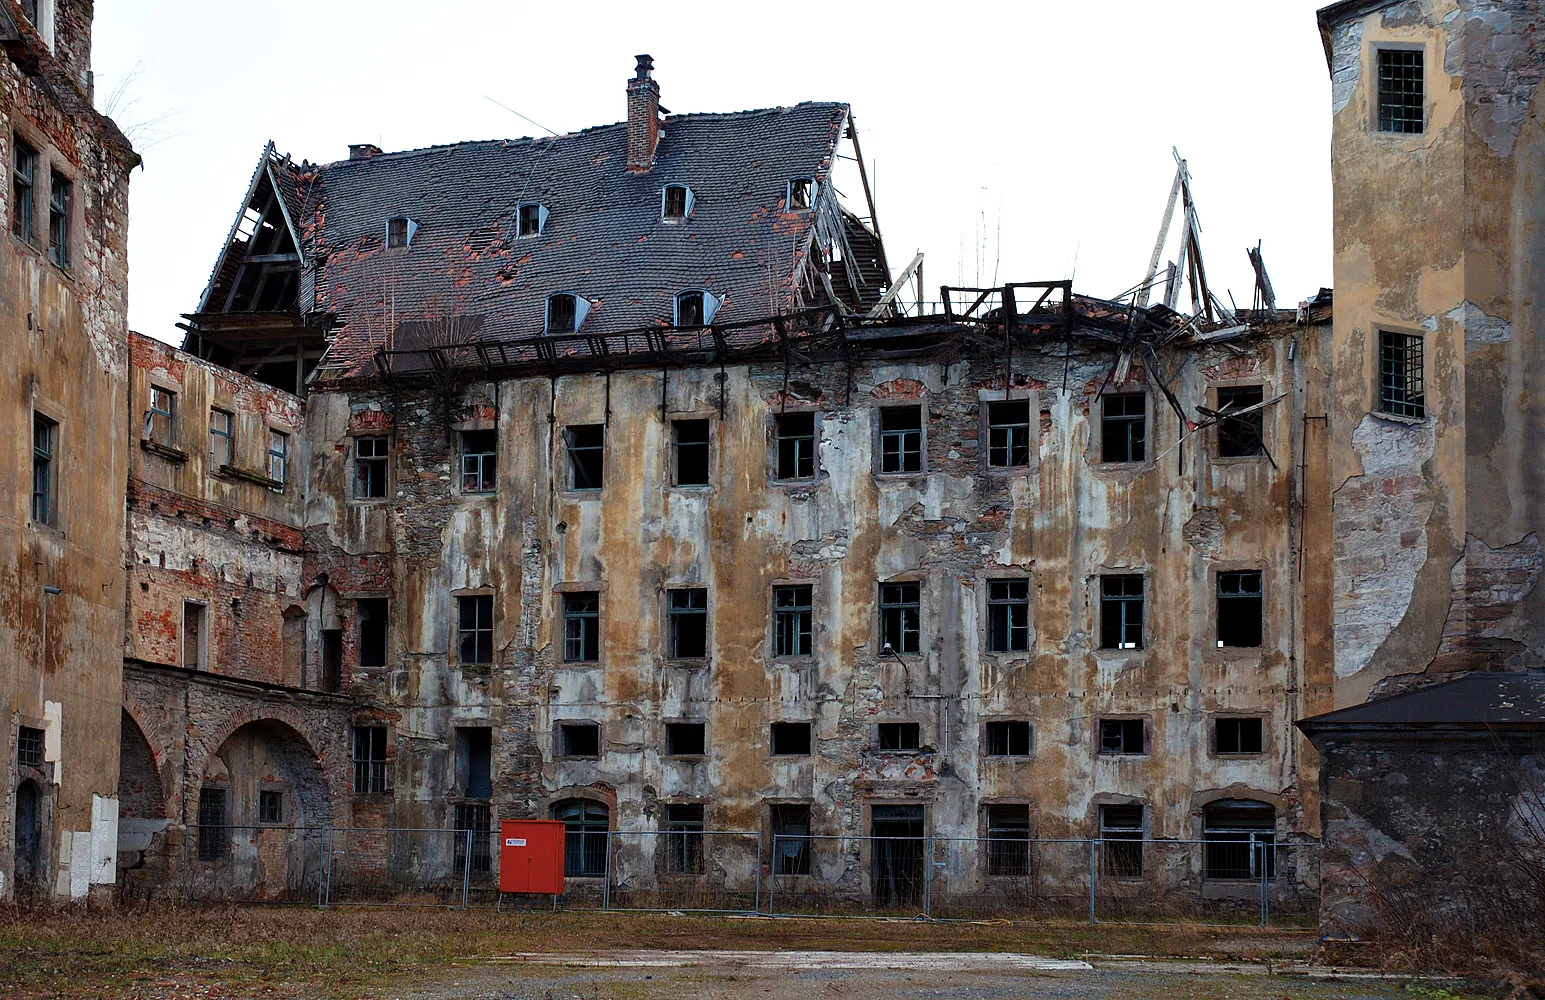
pixel 142 813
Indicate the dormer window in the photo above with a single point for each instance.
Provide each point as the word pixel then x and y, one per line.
pixel 801 194
pixel 532 220
pixel 675 203
pixel 566 312
pixel 695 307
pixel 399 231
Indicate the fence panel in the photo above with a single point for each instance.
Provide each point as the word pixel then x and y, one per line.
pixel 880 876
pixel 411 867
pixel 257 864
pixel 683 870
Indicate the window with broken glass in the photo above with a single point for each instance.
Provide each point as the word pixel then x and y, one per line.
pixel 24 164
pixel 533 219
pixel 1401 392
pixel 673 207
pixel 1125 737
pixel 581 626
pixel 475 629
pixel 1242 436
pixel 1008 616
pixel 900 617
pixel 686 739
pixel 689 308
pixel 1008 434
pixel 901 439
pixel 1008 738
pixel 1121 611
pixel 795 437
pixel 371 456
pixel 372 612
pixel 1239 609
pixel 688 624
pixel 790 739
pixel 1123 428
pixel 791 839
pixel 690 441
pixel 370 774
pixel 160 418
pixel 1008 840
pixel 278 458
pixel 898 736
pixel 587 450
pixel 222 442
pixel 397 232
pixel 1401 90
pixel 801 194
pixel 684 839
pixel 479 461
pixel 1121 835
pixel 792 609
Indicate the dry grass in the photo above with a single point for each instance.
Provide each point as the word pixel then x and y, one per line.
pixel 298 952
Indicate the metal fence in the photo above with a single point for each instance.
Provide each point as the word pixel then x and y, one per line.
pixel 1230 878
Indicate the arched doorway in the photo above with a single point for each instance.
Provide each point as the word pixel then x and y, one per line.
pixel 29 867
pixel 142 857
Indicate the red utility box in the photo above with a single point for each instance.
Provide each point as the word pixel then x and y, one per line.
pixel 531 855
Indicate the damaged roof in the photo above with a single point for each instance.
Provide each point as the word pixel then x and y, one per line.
pixel 1475 700
pixel 603 237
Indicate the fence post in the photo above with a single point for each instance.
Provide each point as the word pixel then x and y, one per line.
pixel 1265 894
pixel 772 874
pixel 332 852
pixel 928 877
pixel 606 884
pixel 756 872
pixel 466 868
pixel 1094 867
pixel 321 864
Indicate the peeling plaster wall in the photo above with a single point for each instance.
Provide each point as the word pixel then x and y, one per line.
pixel 1439 234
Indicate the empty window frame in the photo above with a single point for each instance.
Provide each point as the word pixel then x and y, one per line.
pixel 686 739
pixel 1121 611
pixel 1401 392
pixel 791 839
pixel 901 439
pixel 1124 427
pixel 794 435
pixel 531 219
pixel 688 614
pixel 474 761
pixel 270 806
pixel 1240 609
pixel 371 455
pixel 566 312
pixel 278 457
pixel 45 433
pixel 1240 840
pixel 332 660
pixel 1008 434
pixel 684 839
pixel 29 747
pixel 474 841
pixel 801 197
pixel 370 773
pixel 195 618
pixel 372 615
pixel 581 626
pixel 1121 833
pixel 792 620
pixel 1008 840
pixel 900 617
pixel 586 445
pixel 1007 738
pixel 1401 90
pixel 222 439
pixel 901 736
pixel 676 202
pixel 1237 736
pixel 579 739
pixel 1008 616
pixel 213 837
pixel 790 739
pixel 475 628
pixel 1123 737
pixel 161 418
pixel 24 165
pixel 586 826
pixel 60 194
pixel 1243 436
pixel 689 443
pixel 479 461
pixel 399 231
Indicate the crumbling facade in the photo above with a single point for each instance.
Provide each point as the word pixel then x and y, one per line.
pixel 63 273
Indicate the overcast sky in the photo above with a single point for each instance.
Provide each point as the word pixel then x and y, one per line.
pixel 1033 137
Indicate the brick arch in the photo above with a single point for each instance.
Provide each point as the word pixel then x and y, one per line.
pixel 334 770
pixel 141 791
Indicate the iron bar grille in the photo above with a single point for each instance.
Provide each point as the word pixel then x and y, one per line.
pixel 1400 90
pixel 1400 375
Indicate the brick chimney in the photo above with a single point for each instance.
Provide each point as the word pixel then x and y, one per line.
pixel 643 116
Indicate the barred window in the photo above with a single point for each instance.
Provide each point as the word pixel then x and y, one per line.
pixel 474 823
pixel 1121 830
pixel 587 824
pixel 684 839
pixel 1400 375
pixel 29 747
pixel 213 836
pixel 1401 95
pixel 370 774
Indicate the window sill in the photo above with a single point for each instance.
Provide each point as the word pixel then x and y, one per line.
pixel 251 476
pixel 894 477
pixel 690 488
pixel 795 484
pixel 1396 418
pixel 372 798
pixel 1115 467
pixel 51 530
pixel 1120 654
pixel 1238 459
pixel 163 451
pixel 1006 757
pixel 689 663
pixel 1007 471
pixel 685 758
pixel 1104 755
pixel 806 660
pixel 369 501
pixel 1237 756
pixel 789 758
pixel 477 494
pixel 573 494
pixel 566 759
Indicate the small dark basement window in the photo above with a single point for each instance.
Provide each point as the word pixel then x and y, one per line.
pixel 898 736
pixel 689 624
pixel 581 626
pixel 1008 434
pixel 1239 609
pixel 1123 428
pixel 1122 736
pixel 587 450
pixel 1238 736
pixel 686 739
pixel 1008 739
pixel 1401 393
pixel 791 739
pixel 579 739
pixel 795 433
pixel 1241 437
pixel 901 439
pixel 792 609
pixel 1008 616
pixel 691 452
pixel 372 631
pixel 1121 611
pixel 1401 90
pixel 900 616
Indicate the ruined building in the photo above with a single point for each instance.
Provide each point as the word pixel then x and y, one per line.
pixel 63 271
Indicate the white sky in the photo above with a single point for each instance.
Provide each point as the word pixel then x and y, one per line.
pixel 1043 127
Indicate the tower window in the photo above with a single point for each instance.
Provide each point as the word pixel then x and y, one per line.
pixel 1401 90
pixel 1401 393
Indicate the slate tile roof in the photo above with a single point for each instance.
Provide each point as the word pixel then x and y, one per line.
pixel 603 240
pixel 1475 700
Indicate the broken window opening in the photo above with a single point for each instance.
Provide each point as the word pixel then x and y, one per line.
pixel 689 308
pixel 60 193
pixel 686 739
pixel 1238 736
pixel 474 826
pixel 899 736
pixel 1401 392
pixel 901 439
pixel 475 629
pixel 278 458
pixel 579 739
pixel 791 739
pixel 801 196
pixel 900 617
pixel 1401 90
pixel 1008 616
pixel 1008 840
pixel 560 314
pixel 371 467
pixel 370 774
pixel 1008 739
pixel 1240 840
pixel 586 826
pixel 479 461
pixel 792 613
pixel 332 660
pixel 160 419
pixel 1124 428
pixel 689 624
pixel 222 440
pixel 24 162
pixel 474 761
pixel 684 839
pixel 675 202
pixel 195 615
pixel 532 220
pixel 691 447
pixel 1121 611
pixel 1121 830
pixel 587 450
pixel 399 231
pixel 29 747
pixel 1239 609
pixel 1122 736
pixel 581 626
pixel 44 431
pixel 213 842
pixel 371 612
pixel 795 434
pixel 270 806
pixel 1008 434
pixel 1245 436
pixel 791 839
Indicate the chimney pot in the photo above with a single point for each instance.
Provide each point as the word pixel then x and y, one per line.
pixel 643 116
pixel 363 150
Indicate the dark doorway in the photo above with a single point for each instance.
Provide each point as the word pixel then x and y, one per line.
pixel 898 854
pixel 332 660
pixel 29 840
